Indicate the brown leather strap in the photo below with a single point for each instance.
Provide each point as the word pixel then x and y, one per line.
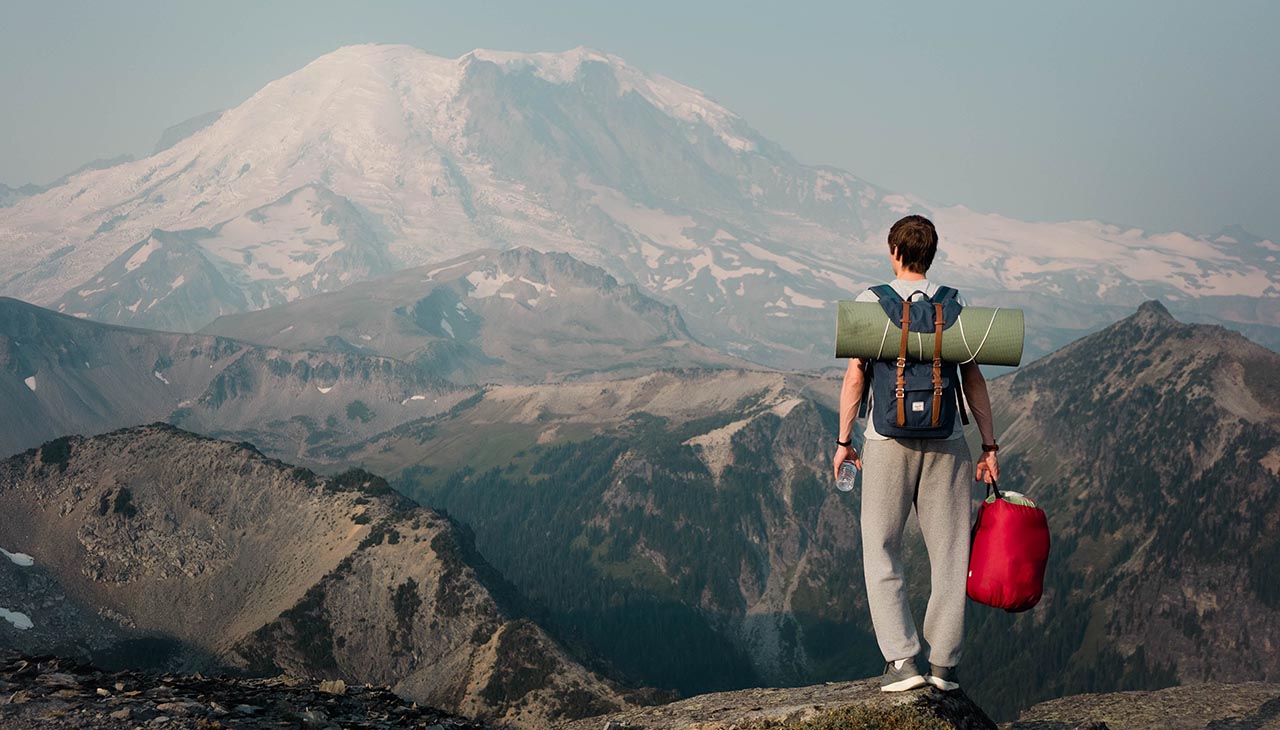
pixel 900 386
pixel 937 361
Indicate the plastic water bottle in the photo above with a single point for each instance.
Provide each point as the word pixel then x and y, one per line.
pixel 847 477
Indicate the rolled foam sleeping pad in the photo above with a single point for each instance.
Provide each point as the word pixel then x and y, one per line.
pixel 986 335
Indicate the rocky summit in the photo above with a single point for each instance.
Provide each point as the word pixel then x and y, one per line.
pixel 43 692
pixel 831 706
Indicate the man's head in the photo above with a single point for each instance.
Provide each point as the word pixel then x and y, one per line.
pixel 912 243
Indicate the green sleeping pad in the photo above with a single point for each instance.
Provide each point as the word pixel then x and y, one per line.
pixel 985 335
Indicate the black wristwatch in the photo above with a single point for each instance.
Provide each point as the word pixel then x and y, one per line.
pixel 990 447
pixel 844 443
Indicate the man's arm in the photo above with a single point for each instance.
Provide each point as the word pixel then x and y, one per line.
pixel 850 397
pixel 975 392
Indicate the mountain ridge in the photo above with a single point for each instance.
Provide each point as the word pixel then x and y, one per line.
pixel 329 577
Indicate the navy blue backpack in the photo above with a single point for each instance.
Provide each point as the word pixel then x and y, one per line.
pixel 916 399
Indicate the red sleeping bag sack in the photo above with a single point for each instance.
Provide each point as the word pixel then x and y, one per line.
pixel 1010 549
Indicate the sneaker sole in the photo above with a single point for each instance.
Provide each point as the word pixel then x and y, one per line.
pixel 902 685
pixel 943 684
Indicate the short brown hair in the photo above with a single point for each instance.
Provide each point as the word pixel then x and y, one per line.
pixel 915 241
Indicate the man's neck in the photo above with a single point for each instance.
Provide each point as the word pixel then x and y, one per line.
pixel 908 276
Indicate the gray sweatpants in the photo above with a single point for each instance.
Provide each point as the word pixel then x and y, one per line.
pixel 936 476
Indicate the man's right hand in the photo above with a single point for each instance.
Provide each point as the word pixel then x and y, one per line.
pixel 843 454
pixel 988 469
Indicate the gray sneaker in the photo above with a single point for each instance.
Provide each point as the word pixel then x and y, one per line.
pixel 944 678
pixel 901 680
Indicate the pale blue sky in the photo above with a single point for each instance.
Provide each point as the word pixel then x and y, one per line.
pixel 1158 113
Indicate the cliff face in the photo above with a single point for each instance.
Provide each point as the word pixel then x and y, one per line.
pixel 222 557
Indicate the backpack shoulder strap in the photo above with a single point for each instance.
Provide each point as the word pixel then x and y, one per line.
pixel 886 292
pixel 943 295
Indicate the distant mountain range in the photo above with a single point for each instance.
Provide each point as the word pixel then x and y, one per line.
pixel 154 546
pixel 377 158
pixel 61 375
pixel 491 316
pixel 334 370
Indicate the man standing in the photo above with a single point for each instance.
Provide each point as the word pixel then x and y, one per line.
pixel 931 474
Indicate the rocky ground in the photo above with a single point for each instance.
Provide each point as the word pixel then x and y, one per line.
pixel 831 706
pixel 1243 706
pixel 44 692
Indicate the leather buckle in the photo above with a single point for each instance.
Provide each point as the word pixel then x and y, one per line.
pixel 901 362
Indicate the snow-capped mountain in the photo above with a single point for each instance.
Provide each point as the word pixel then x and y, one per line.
pixel 577 152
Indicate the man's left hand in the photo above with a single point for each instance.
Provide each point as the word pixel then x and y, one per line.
pixel 988 468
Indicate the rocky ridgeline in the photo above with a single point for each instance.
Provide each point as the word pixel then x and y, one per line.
pixel 43 692
pixel 1211 706
pixel 832 706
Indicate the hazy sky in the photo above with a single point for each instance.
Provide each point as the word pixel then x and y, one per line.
pixel 1158 114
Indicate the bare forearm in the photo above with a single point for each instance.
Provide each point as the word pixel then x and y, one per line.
pixel 975 392
pixel 850 397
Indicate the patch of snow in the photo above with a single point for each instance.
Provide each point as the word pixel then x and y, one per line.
pixel 161 377
pixel 20 621
pixel 286 329
pixel 444 324
pixel 802 300
pixel 413 397
pixel 485 284
pixel 656 225
pixel 537 287
pixel 21 559
pixel 30 380
pixel 366 338
pixel 134 307
pixel 324 390
pixel 788 265
pixel 178 282
pixel 140 256
pixel 88 292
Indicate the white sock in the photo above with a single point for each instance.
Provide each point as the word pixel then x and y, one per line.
pixel 898 664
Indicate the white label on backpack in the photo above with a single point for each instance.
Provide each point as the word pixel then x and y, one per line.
pixel 918 406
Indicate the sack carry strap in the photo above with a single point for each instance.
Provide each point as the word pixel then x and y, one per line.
pixel 900 386
pixel 994 488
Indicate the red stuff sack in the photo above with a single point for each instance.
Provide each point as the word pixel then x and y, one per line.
pixel 1009 552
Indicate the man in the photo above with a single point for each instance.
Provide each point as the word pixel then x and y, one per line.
pixel 932 475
